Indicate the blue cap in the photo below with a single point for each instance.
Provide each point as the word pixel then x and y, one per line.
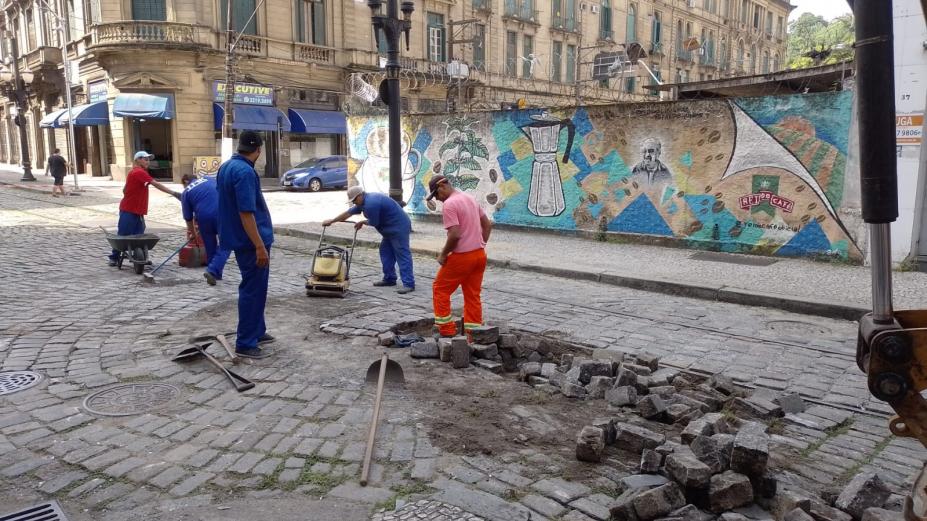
pixel 141 154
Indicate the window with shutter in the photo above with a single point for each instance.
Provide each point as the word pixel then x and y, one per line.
pixel 147 10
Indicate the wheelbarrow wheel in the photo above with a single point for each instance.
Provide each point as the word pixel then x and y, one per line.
pixel 139 267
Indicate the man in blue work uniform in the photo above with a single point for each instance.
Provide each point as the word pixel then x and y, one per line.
pixel 246 229
pixel 200 199
pixel 394 225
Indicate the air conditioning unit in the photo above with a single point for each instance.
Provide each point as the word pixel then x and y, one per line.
pixel 595 9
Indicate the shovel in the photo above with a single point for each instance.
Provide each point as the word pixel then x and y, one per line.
pixel 149 277
pixel 384 370
pixel 199 350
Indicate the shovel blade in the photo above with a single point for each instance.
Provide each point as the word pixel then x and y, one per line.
pixel 190 353
pixel 394 374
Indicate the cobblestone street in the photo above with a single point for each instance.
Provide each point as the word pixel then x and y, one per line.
pixel 291 447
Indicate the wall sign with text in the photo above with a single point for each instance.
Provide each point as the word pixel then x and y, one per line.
pixel 909 129
pixel 245 93
pixel 97 91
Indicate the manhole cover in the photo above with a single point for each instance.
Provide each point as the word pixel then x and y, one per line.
pixel 128 399
pixel 797 327
pixel 13 381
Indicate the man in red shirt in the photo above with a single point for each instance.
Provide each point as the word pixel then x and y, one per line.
pixel 134 205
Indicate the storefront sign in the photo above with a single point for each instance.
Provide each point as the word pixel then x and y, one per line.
pixel 96 91
pixel 245 93
pixel 909 129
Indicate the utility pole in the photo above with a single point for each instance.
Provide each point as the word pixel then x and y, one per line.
pixel 20 119
pixel 392 27
pixel 229 119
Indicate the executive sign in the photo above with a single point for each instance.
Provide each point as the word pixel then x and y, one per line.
pixel 245 93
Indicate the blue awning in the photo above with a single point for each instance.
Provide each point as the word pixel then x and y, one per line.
pixel 252 117
pixel 51 120
pixel 147 106
pixel 87 115
pixel 318 121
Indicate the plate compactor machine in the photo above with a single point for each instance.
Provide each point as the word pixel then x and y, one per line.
pixel 892 345
pixel 331 268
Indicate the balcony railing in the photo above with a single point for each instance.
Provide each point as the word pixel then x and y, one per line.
pixel 606 34
pixel 309 53
pixel 137 32
pixel 683 55
pixel 656 48
pixel 36 59
pixel 563 23
pixel 522 10
pixel 252 45
pixel 482 5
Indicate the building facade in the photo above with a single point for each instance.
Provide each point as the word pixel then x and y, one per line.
pixel 149 74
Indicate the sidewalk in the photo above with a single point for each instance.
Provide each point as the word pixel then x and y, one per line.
pixel 798 285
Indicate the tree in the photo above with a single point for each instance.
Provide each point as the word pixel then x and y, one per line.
pixel 815 41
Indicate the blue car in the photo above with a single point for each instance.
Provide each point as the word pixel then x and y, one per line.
pixel 317 173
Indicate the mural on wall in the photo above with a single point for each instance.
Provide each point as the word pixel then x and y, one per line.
pixel 756 175
pixel 206 165
pixel 372 172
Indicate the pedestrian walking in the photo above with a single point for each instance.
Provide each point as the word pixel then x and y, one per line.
pixel 245 228
pixel 463 258
pixel 57 166
pixel 200 201
pixel 384 214
pixel 134 204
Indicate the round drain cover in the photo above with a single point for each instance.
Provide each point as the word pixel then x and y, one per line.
pixel 13 381
pixel 128 399
pixel 797 327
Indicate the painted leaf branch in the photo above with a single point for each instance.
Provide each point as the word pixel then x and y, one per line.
pixel 465 147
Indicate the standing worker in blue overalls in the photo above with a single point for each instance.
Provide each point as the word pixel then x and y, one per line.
pixel 200 200
pixel 394 225
pixel 246 229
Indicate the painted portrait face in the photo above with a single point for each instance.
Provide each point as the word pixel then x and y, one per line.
pixel 650 152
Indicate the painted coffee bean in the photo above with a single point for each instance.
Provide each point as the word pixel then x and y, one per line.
pixel 800 188
pixel 627 192
pixel 493 176
pixel 436 168
pixel 717 207
pixel 701 142
pixel 719 195
pixel 703 130
pixel 593 199
pixel 812 206
pixel 805 219
pixel 736 231
pixel 635 185
pixel 492 198
pixel 680 194
pixel 431 205
pixel 709 159
pixel 821 218
pixel 707 189
pixel 719 157
pixel 714 137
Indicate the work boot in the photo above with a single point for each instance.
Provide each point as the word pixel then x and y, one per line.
pixel 266 338
pixel 382 283
pixel 210 278
pixel 112 262
pixel 405 289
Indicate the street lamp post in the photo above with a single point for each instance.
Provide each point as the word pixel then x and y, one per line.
pixel 392 27
pixel 20 118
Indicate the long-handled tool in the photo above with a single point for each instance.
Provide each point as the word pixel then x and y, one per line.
pixel 228 349
pixel 149 277
pixel 385 369
pixel 199 350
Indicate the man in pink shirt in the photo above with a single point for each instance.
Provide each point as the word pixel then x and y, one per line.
pixel 463 259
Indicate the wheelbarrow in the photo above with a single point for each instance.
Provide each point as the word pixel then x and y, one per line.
pixel 133 248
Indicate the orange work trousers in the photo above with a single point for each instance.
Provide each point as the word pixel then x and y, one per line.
pixel 461 270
